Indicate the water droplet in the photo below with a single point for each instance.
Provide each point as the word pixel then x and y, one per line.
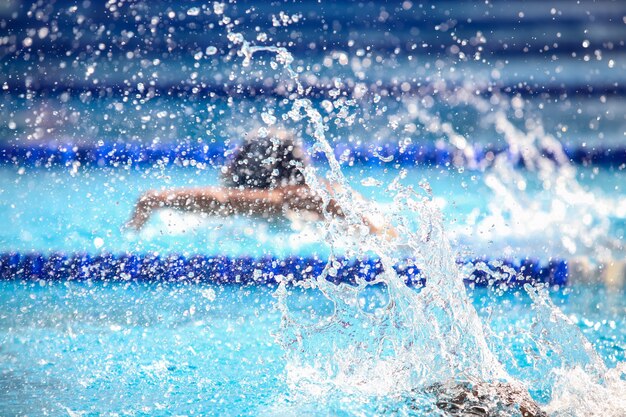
pixel 370 182
pixel 194 11
pixel 268 118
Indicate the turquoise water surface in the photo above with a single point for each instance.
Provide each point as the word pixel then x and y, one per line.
pixel 58 209
pixel 528 78
pixel 154 350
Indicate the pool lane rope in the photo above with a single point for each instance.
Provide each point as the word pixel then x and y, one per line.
pixel 257 271
pixel 122 154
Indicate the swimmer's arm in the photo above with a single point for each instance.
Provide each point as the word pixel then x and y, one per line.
pixel 228 201
pixel 211 200
pixel 303 198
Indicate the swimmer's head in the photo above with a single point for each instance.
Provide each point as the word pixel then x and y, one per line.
pixel 268 158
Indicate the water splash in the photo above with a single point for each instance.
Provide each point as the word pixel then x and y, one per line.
pixel 417 338
pixel 409 341
pixel 558 213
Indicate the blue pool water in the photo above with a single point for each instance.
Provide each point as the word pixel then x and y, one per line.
pixel 524 78
pixel 133 349
pixel 53 209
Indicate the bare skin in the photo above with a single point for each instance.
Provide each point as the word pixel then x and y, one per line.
pixel 223 201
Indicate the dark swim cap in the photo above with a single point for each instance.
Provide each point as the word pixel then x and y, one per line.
pixel 269 161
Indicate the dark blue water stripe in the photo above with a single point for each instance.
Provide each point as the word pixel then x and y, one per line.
pixel 182 88
pixel 247 270
pixel 506 45
pixel 122 154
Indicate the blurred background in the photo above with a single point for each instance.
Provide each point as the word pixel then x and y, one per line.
pixel 83 79
pixel 157 71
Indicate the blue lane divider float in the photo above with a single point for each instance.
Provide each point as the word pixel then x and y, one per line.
pixel 251 271
pixel 115 154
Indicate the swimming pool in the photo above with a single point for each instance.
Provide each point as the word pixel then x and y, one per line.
pixel 490 136
pixel 162 341
pixel 60 210
pixel 167 349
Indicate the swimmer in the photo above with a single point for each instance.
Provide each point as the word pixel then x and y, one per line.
pixel 263 179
